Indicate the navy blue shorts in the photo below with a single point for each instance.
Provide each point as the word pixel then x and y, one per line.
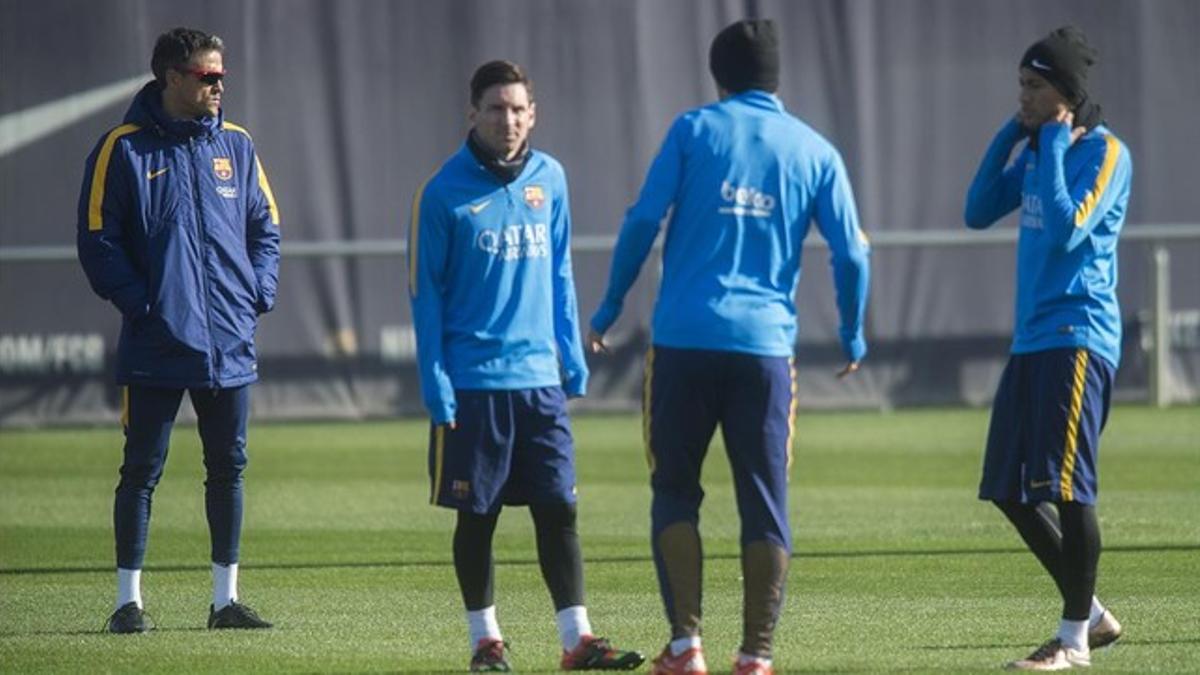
pixel 1044 439
pixel 688 392
pixel 508 447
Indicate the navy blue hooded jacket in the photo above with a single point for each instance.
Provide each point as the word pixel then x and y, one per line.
pixel 178 228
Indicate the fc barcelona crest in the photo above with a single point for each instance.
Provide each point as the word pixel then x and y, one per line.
pixel 223 167
pixel 461 489
pixel 535 196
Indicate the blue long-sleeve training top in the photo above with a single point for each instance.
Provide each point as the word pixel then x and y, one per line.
pixel 493 297
pixel 745 179
pixel 1073 198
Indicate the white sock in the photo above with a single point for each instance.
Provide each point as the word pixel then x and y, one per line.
pixel 743 657
pixel 224 584
pixel 1073 634
pixel 482 624
pixel 1096 613
pixel 572 623
pixel 681 645
pixel 129 587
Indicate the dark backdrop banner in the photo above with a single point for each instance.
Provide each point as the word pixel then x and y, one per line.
pixel 353 103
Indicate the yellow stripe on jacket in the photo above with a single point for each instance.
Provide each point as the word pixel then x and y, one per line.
pixel 1112 149
pixel 263 183
pixel 265 186
pixel 414 237
pixel 100 176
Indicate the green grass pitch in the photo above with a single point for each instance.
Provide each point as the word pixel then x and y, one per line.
pixel 897 566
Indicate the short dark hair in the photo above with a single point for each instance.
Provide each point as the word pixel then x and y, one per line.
pixel 493 73
pixel 176 46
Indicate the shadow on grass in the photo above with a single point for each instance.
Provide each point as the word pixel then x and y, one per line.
pixel 1180 641
pixel 100 633
pixel 1125 642
pixel 952 648
pixel 597 560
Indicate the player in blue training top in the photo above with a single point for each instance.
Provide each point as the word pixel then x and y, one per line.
pixel 743 180
pixel 498 345
pixel 1071 182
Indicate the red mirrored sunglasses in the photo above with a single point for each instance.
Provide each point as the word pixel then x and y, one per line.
pixel 208 77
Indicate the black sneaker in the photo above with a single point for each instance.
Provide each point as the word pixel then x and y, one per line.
pixel 235 615
pixel 489 657
pixel 129 618
pixel 596 653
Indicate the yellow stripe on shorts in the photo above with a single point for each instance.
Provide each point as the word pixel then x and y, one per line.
pixel 439 450
pixel 791 436
pixel 647 383
pixel 1066 485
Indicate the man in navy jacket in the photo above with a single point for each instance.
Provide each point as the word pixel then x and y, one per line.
pixel 178 228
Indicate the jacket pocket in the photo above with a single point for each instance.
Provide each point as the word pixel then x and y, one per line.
pixel 156 337
pixel 259 306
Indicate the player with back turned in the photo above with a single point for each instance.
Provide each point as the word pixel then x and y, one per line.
pixel 743 180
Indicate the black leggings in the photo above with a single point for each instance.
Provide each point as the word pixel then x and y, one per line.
pixel 558 554
pixel 1067 543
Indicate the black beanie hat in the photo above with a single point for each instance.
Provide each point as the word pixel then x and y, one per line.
pixel 1063 58
pixel 745 55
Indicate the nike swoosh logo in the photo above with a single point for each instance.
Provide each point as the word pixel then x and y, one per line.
pixel 476 208
pixel 23 127
pixel 151 175
pixel 1039 65
pixel 1035 484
